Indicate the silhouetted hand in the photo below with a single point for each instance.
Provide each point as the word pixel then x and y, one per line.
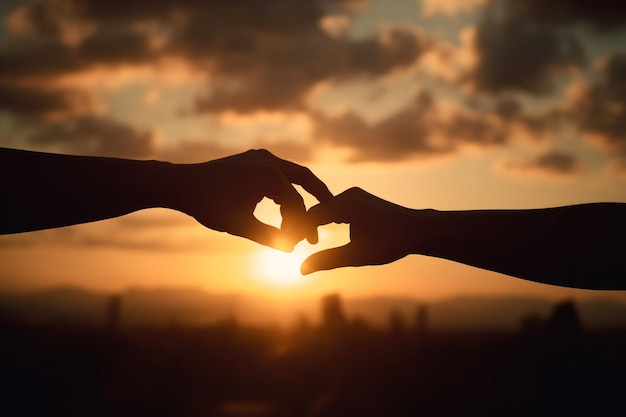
pixel 43 190
pixel 380 231
pixel 579 246
pixel 225 192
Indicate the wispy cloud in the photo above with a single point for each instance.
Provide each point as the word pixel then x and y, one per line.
pixel 552 164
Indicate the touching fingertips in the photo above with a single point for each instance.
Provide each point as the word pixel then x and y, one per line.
pixel 312 237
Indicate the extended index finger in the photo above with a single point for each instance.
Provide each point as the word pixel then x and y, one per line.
pixel 304 177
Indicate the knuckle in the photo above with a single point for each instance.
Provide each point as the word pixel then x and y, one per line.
pixel 354 191
pixel 263 153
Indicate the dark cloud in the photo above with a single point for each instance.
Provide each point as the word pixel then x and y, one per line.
pixel 92 135
pixel 512 114
pixel 600 111
pixel 401 136
pixel 552 163
pixel 473 129
pixel 112 48
pixel 601 15
pixel 270 54
pixel 39 61
pixel 523 45
pixel 268 14
pixel 49 55
pixel 508 108
pixel 518 53
pixel 421 129
pixel 259 54
pixel 43 103
pixel 278 72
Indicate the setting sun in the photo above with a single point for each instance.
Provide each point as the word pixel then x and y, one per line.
pixel 282 270
pixel 278 268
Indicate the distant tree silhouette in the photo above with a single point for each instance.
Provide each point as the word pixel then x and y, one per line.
pixel 564 325
pixel 333 317
pixel 114 312
pixel 397 322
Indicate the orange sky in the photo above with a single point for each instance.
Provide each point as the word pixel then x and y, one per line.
pixel 448 105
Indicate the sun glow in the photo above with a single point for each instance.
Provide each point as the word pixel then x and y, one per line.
pixel 280 269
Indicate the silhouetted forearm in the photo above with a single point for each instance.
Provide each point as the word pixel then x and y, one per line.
pixel 41 190
pixel 580 246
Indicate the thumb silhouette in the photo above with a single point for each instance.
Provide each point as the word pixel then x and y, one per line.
pixel 346 255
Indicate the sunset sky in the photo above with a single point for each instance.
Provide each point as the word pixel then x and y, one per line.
pixel 450 105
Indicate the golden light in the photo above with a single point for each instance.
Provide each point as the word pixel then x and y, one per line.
pixel 281 269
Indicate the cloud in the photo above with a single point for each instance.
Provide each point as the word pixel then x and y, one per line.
pixel 94 135
pixel 423 128
pixel 599 111
pixel 601 108
pixel 617 167
pixel 524 45
pixel 258 54
pixel 268 56
pixel 538 126
pixel 550 164
pixel 600 15
pixel 449 7
pixel 335 26
pixel 39 102
pixel 517 53
pixel 47 60
pixel 401 136
pixel 170 233
pixel 277 73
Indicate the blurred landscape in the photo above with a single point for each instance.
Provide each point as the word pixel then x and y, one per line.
pixel 185 352
pixel 196 307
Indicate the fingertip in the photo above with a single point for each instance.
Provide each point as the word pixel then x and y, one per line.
pixel 295 234
pixel 312 263
pixel 313 237
pixel 328 259
pixel 306 268
pixel 267 235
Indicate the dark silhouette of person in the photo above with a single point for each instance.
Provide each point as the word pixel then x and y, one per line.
pixel 582 246
pixel 44 190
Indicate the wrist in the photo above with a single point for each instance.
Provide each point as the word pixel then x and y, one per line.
pixel 165 184
pixel 421 230
pixel 188 187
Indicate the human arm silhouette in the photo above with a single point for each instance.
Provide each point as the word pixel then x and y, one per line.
pixel 43 190
pixel 582 246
